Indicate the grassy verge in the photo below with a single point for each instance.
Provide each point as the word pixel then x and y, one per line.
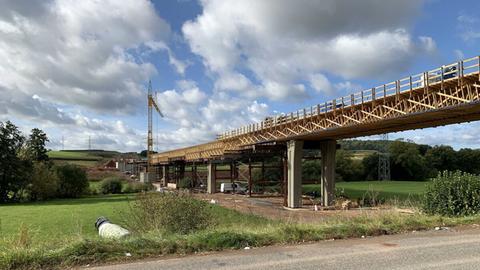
pixel 53 240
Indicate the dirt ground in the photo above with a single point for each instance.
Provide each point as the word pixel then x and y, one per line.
pixel 272 207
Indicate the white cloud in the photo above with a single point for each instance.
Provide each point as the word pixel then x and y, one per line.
pixel 81 53
pixel 459 54
pixel 428 44
pixel 468 27
pixel 180 66
pixel 348 87
pixel 284 43
pixel 320 83
pixel 197 118
pixel 448 135
pixel 64 58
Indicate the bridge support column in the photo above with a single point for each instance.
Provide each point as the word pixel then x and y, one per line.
pixel 294 173
pixel 193 184
pixel 211 179
pixel 181 172
pixel 328 149
pixel 165 175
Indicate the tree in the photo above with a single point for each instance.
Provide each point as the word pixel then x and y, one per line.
pixel 441 158
pixel 312 170
pixel 143 153
pixel 348 169
pixel 468 160
pixel 406 162
pixel 13 175
pixel 72 181
pixel 44 183
pixel 35 148
pixel 370 167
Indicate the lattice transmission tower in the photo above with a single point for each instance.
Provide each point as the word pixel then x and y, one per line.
pixel 384 160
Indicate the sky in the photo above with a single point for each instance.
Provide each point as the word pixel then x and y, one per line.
pixel 79 69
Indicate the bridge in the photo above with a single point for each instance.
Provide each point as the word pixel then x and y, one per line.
pixel 446 95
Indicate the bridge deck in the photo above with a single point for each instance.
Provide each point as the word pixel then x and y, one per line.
pixel 446 95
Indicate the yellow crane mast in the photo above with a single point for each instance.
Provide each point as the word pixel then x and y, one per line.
pixel 151 105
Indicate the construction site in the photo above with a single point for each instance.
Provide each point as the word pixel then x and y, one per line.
pixel 264 159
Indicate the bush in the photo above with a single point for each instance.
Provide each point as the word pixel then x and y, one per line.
pixel 168 212
pixel 185 182
pixel 135 187
pixel 44 184
pixel 111 185
pixel 453 194
pixel 72 181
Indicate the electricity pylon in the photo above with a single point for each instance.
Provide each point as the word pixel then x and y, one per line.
pixel 384 160
pixel 151 104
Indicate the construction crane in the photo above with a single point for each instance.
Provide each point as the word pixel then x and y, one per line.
pixel 151 105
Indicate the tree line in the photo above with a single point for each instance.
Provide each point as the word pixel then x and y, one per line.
pixel 408 160
pixel 26 173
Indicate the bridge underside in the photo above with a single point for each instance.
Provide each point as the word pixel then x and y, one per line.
pixel 443 96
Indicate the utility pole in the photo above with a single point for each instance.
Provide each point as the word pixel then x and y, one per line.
pixel 89 143
pixel 384 160
pixel 63 142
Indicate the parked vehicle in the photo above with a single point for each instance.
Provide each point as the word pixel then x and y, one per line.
pixel 233 187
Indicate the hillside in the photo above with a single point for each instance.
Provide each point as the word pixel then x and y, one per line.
pixel 88 158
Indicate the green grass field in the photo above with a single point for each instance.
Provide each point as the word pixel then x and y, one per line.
pixel 58 221
pixel 73 155
pixel 386 189
pixel 360 154
pixel 84 158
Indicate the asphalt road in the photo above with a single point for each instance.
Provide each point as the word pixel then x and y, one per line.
pixel 445 249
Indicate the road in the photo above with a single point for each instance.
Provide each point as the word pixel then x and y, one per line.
pixel 445 249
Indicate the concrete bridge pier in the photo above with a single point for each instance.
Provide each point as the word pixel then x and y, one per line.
pixel 328 149
pixel 211 178
pixel 294 173
pixel 165 175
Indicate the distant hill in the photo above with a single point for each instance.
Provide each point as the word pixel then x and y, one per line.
pixel 88 158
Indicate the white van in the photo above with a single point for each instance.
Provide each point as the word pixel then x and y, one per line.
pixel 230 187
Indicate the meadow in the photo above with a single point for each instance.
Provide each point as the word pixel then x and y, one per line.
pixel 387 190
pixel 58 221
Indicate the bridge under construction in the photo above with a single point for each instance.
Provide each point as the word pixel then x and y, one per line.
pixel 445 95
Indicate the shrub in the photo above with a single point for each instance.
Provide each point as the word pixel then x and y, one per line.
pixel 44 184
pixel 72 181
pixel 168 212
pixel 111 185
pixel 453 194
pixel 185 182
pixel 135 187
